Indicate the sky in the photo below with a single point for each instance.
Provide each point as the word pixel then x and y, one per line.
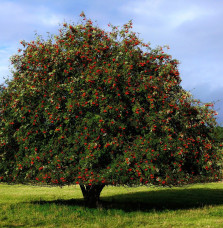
pixel 192 29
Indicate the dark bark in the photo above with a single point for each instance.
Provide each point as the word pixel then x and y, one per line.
pixel 91 194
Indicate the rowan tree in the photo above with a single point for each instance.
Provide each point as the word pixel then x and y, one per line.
pixel 95 108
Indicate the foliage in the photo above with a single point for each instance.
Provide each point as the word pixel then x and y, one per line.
pixel 218 134
pixel 93 107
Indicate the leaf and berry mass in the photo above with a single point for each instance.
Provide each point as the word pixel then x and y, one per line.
pixel 92 107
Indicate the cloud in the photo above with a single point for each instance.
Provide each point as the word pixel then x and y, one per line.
pixel 21 20
pixel 49 19
pixel 169 13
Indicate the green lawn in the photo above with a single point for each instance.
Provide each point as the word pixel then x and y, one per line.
pixel 190 206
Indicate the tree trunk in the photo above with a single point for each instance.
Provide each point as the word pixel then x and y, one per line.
pixel 91 194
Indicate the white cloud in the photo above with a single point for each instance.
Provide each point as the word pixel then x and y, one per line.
pixel 186 15
pixel 17 20
pixel 144 7
pixel 52 20
pixel 167 13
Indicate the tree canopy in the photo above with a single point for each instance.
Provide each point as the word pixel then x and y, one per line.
pixel 95 108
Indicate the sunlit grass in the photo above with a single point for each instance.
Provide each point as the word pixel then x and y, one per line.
pixel 199 205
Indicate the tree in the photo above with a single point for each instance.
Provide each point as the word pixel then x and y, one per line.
pixel 218 134
pixel 98 108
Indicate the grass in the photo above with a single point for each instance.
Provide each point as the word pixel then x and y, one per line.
pixel 199 205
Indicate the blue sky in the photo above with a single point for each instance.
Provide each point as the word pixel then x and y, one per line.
pixel 192 29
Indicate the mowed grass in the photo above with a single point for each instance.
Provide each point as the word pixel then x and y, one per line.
pixel 199 205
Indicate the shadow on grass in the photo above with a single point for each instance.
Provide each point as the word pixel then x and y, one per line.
pixel 159 200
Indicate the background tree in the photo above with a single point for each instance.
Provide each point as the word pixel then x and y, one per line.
pixel 99 108
pixel 218 134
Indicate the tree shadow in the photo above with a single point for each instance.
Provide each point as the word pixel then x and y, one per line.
pixel 159 200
